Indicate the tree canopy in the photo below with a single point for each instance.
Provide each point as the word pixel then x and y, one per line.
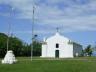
pixel 88 50
pixel 19 47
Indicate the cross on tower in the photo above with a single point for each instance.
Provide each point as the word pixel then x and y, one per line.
pixel 57 29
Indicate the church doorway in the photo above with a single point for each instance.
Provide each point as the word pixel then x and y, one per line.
pixel 57 53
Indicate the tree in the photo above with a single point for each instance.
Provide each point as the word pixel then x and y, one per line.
pixel 3 44
pixel 88 50
pixel 16 45
pixel 36 46
pixel 26 50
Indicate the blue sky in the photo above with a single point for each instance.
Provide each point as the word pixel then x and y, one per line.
pixel 76 19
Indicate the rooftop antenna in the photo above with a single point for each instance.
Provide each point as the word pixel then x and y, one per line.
pixel 32 31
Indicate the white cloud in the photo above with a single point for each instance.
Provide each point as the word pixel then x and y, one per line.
pixel 71 16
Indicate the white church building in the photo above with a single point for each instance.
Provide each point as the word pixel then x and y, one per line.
pixel 59 46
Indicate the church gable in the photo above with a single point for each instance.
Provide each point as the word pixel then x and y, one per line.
pixel 58 46
pixel 57 38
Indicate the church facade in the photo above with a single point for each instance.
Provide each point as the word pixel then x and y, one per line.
pixel 61 47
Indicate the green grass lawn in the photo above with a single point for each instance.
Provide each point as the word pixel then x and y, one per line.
pixel 51 65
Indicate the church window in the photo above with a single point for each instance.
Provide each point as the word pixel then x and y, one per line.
pixel 57 45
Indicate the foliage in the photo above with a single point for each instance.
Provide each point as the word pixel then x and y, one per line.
pixel 18 46
pixel 3 44
pixel 88 50
pixel 36 46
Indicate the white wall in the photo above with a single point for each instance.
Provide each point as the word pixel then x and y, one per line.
pixel 44 50
pixel 65 49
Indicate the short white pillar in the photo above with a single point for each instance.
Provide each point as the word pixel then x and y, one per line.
pixel 9 58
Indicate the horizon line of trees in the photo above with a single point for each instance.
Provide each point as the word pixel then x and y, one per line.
pixel 21 48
